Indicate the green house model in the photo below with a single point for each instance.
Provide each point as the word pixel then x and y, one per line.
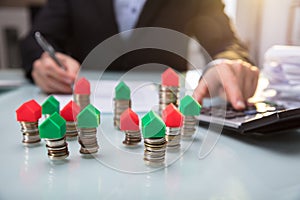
pixel 122 91
pixel 153 126
pixel 189 106
pixel 50 106
pixel 89 117
pixel 54 127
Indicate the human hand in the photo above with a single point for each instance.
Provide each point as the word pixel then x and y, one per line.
pixel 234 80
pixel 50 77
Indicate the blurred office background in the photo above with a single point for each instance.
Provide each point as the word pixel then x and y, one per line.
pixel 259 23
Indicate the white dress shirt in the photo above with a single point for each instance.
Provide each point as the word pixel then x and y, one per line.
pixel 127 13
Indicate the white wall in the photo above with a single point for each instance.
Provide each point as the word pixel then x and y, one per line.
pixel 274 27
pixel 261 24
pixel 230 9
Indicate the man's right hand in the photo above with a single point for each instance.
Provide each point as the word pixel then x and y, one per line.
pixel 234 80
pixel 53 79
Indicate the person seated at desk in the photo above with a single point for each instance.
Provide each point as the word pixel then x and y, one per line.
pixel 75 27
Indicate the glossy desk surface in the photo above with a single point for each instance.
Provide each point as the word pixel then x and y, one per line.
pixel 237 168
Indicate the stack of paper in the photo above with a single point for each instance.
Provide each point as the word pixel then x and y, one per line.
pixel 282 68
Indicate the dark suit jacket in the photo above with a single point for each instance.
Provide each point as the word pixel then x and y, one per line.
pixel 77 26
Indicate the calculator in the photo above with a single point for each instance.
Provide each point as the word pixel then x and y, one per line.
pixel 262 117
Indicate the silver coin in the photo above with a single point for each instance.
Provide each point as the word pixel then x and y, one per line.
pixel 60 148
pixel 29 137
pixel 88 151
pixel 55 142
pixel 52 157
pixel 154 140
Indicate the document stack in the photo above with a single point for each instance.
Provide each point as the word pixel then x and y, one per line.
pixel 282 68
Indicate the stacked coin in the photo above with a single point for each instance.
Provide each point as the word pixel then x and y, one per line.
pixel 71 131
pixel 120 107
pixel 173 138
pixel 57 148
pixel 132 138
pixel 30 133
pixel 155 150
pixel 88 140
pixel 82 100
pixel 167 95
pixel 188 128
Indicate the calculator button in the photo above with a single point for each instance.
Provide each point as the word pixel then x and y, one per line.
pixel 280 107
pixel 261 107
pixel 230 115
pixel 240 114
pixel 250 112
pixel 218 113
pixel 205 111
pixel 271 109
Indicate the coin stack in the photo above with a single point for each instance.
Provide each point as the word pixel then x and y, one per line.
pixel 88 140
pixel 132 138
pixel 155 150
pixel 30 133
pixel 69 113
pixel 82 100
pixel 71 131
pixel 82 91
pixel 189 127
pixel 169 89
pixel 28 114
pixel 129 123
pixel 57 148
pixel 87 121
pixel 119 107
pixel 168 95
pixel 190 108
pixel 173 137
pixel 121 102
pixel 53 131
pixel 154 131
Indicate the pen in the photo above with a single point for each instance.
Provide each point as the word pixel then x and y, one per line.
pixel 47 48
